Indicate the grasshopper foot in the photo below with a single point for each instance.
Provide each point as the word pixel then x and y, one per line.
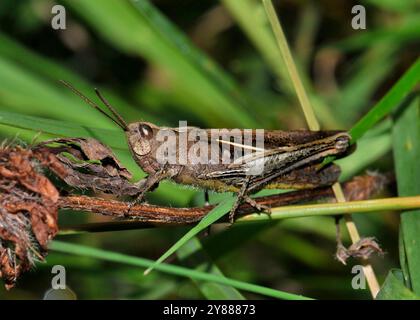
pixel 140 199
pixel 259 207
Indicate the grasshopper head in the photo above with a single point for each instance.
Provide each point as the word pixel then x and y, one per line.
pixel 140 136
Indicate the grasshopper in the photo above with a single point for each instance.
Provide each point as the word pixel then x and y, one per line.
pixel 288 159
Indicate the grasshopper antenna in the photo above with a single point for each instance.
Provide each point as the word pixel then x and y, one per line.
pixel 121 123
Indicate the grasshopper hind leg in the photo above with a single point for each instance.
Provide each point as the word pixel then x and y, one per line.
pixel 243 196
pixel 239 198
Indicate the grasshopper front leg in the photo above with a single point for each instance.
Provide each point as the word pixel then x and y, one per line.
pixel 151 182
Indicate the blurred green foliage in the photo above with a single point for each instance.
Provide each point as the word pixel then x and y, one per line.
pixel 213 64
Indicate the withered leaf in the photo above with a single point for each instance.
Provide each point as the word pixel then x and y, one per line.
pixel 89 165
pixel 362 249
pixel 89 154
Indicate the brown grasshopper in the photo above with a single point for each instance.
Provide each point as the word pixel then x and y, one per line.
pixel 287 160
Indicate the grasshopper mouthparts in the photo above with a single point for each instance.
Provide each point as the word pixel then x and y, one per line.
pixel 342 141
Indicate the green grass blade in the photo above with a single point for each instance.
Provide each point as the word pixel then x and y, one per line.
pixel 403 259
pixel 137 27
pixel 291 68
pixel 249 14
pixel 391 100
pixel 221 244
pixel 369 71
pixel 85 251
pixel 328 209
pixel 219 211
pixel 50 72
pixel 406 139
pixel 256 27
pixel 406 6
pixel 394 289
pixel 113 138
pixel 28 92
pixel 193 250
pixel 369 150
pixel 396 35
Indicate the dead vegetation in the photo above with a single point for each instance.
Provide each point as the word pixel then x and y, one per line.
pixel 28 211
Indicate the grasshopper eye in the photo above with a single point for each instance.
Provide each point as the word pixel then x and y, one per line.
pixel 145 131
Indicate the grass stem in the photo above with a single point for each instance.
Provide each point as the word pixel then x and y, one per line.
pixel 313 124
